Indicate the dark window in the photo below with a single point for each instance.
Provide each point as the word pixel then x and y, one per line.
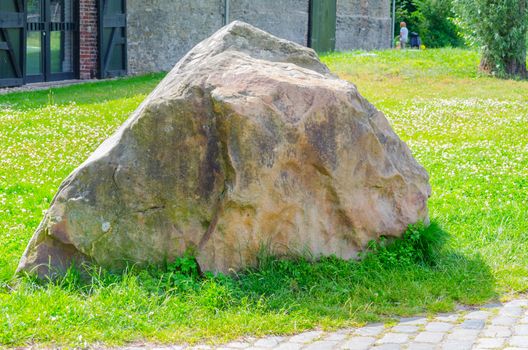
pixel 112 41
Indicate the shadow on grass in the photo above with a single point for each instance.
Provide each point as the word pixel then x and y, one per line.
pixel 282 296
pixel 416 274
pixel 413 275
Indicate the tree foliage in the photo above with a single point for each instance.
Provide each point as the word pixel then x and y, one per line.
pixel 499 28
pixel 431 19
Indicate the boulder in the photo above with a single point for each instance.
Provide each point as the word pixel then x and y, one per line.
pixel 248 144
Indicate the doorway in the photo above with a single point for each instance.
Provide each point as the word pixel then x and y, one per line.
pixel 12 36
pixel 51 40
pixel 322 25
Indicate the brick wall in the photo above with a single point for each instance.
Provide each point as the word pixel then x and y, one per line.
pixel 88 39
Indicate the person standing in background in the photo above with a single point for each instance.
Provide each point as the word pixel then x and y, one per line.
pixel 404 35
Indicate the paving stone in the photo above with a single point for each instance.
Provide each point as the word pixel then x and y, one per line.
pixel 497 332
pixel 429 337
pixel 512 311
pixel 305 337
pixel 447 317
pixel 503 321
pixel 237 345
pixel 457 345
pixel 413 321
pixel 373 330
pixel 520 329
pixel 358 343
pixel 268 342
pixel 478 315
pixel 349 332
pixel 519 340
pixel 473 324
pixel 524 319
pixel 321 345
pixel 387 347
pixel 518 302
pixel 393 338
pixel 463 308
pixel 438 327
pixel 404 329
pixel 463 334
pixel 490 343
pixel 288 346
pixel 492 305
pixel 421 346
pixel 337 336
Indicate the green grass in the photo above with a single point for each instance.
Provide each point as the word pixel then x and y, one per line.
pixel 469 132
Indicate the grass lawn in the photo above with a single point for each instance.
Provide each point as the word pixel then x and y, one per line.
pixel 469 131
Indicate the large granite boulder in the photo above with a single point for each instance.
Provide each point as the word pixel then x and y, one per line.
pixel 249 143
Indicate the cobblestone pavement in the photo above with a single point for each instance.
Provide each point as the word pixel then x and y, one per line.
pixel 496 326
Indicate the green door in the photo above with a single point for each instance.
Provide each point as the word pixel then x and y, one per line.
pixel 322 25
pixel 51 40
pixel 11 42
pixel 112 38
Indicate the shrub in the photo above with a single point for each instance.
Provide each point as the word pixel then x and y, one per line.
pixel 499 28
pixel 419 245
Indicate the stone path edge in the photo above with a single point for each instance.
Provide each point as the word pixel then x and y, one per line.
pixel 492 326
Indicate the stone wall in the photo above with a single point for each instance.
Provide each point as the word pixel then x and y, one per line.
pixel 160 32
pixel 363 24
pixel 286 19
pixel 88 39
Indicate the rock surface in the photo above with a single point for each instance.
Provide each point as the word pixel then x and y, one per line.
pixel 249 143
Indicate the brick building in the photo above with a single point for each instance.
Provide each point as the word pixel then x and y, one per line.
pixel 46 40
